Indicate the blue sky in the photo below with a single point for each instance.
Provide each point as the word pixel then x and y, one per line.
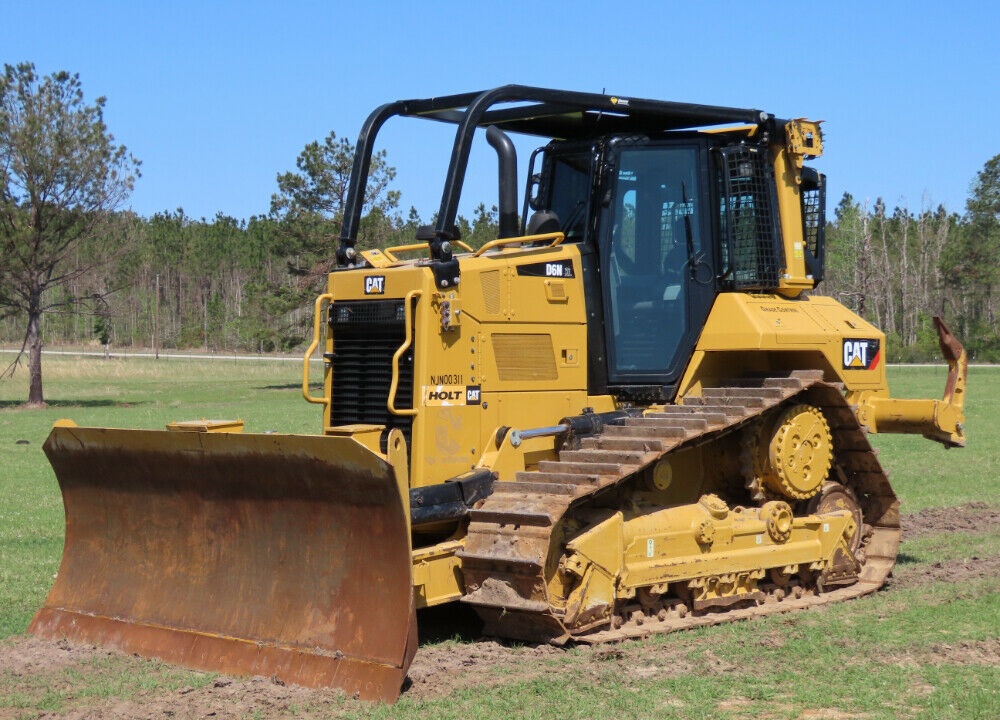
pixel 217 98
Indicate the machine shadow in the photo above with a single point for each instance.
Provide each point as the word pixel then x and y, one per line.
pixel 451 621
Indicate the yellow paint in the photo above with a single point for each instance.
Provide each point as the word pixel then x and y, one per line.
pixel 206 426
pixel 694 544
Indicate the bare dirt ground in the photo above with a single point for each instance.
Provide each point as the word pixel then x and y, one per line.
pixel 973 517
pixel 31 668
pixel 970 518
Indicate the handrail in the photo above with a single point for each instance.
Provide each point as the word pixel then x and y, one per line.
pixel 317 312
pixel 390 402
pixel 556 238
pixel 391 252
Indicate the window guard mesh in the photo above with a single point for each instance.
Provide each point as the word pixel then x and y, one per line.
pixel 752 235
pixel 814 225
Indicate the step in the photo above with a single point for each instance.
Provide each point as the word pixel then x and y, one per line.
pixel 620 457
pixel 534 476
pixel 623 443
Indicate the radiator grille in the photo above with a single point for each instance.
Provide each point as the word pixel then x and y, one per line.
pixel 366 334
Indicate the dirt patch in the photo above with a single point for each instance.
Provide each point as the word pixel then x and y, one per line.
pixel 82 679
pixel 32 669
pixel 981 652
pixel 27 656
pixel 977 517
pixel 964 652
pixel 952 571
pixel 440 669
pixel 971 517
pixel 224 699
pixel 772 640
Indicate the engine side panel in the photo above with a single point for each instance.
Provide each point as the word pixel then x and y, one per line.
pixel 750 333
pixel 507 346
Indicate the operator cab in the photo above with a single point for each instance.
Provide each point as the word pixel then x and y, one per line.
pixel 639 205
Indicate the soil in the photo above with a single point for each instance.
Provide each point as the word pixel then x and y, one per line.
pixel 972 517
pixel 32 668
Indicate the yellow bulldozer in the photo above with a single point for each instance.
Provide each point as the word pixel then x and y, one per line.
pixel 627 414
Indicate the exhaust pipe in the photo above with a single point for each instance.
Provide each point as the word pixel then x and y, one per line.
pixel 510 225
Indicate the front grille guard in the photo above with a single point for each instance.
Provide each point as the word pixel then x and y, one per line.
pixel 372 363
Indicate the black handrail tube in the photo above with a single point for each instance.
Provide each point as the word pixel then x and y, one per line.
pixel 546 113
pixel 358 182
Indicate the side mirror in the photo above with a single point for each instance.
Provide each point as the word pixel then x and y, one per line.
pixel 534 187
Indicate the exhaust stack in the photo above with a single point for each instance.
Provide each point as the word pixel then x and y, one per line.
pixel 510 226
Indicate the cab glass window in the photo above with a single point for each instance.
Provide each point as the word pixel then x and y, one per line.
pixel 655 231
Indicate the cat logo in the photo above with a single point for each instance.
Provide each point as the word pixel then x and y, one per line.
pixel 375 285
pixel 861 354
pixel 472 395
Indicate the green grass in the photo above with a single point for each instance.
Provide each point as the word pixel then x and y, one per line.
pixel 883 656
pixel 101 677
pixel 950 546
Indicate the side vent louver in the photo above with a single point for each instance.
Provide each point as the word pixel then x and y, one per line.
pixel 523 356
pixel 490 281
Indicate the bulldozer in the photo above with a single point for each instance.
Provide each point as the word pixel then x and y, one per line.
pixel 627 414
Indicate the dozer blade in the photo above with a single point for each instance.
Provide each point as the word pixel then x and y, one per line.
pixel 274 555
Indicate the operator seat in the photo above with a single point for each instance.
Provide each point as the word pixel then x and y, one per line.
pixel 543 222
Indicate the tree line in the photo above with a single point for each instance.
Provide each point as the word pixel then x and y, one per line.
pixel 899 268
pixel 226 285
pixel 219 285
pixel 76 269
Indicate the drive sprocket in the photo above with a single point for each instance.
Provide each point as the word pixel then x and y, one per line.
pixel 789 455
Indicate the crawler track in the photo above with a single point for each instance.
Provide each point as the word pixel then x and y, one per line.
pixel 509 553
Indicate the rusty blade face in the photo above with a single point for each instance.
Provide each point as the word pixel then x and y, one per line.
pixel 275 555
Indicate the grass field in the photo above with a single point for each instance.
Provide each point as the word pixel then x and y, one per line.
pixel 925 647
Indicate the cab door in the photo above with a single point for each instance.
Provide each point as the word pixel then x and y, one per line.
pixel 656 259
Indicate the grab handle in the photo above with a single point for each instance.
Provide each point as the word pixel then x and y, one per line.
pixel 324 401
pixel 390 402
